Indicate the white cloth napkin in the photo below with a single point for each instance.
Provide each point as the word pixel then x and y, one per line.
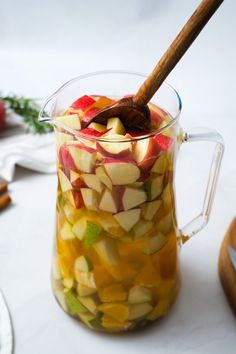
pixel 6 333
pixel 32 151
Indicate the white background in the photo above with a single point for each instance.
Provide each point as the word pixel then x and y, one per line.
pixel 44 43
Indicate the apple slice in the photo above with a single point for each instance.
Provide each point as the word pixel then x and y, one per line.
pixel 153 187
pixel 121 171
pixel 84 157
pixel 71 213
pixel 72 121
pixel 167 197
pixel 87 231
pixel 90 198
pixel 154 244
pixel 98 127
pixel 60 296
pixel 149 209
pixel 55 268
pixel 90 320
pixel 85 278
pixel 142 228
pixel 146 152
pixel 89 303
pixel 164 141
pixel 138 311
pixel 68 283
pixel 74 305
pixel 133 197
pixel 115 148
pixel 92 181
pixel 101 173
pixel 139 294
pixel 83 264
pixel 160 164
pixel 66 232
pixel 166 224
pixel 76 180
pixel 108 202
pixel 116 126
pixel 83 290
pixel 107 251
pixel 66 159
pixel 63 138
pixel 64 181
pixel 83 103
pixel 127 219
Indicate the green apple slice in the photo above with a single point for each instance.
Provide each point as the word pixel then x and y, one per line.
pixel 90 198
pixel 153 187
pixel 139 294
pixel 141 229
pixel 154 244
pixel 83 264
pixel 116 126
pixel 66 232
pixel 86 231
pixel 150 209
pixel 127 219
pixel 92 181
pixel 74 305
pixel 90 320
pixel 85 278
pixel 84 290
pixel 138 311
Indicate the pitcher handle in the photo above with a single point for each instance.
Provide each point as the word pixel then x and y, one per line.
pixel 201 220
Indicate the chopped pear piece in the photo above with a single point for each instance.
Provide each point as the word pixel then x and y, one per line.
pixel 85 278
pixel 137 311
pixel 142 228
pixel 66 232
pixel 90 198
pixel 89 303
pixel 83 264
pixel 127 219
pixel 92 181
pixel 149 209
pixel 116 126
pixel 101 173
pixel 120 312
pixel 154 244
pixel 139 294
pixel 84 290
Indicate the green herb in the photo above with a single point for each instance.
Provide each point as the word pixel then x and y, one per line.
pixel 28 109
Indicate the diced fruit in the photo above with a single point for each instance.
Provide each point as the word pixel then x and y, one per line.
pixel 102 276
pixel 119 312
pixel 98 127
pixel 153 187
pixel 110 225
pixel 56 269
pixel 110 323
pixel 68 283
pixel 90 320
pixel 133 197
pixel 107 251
pixel 66 159
pixel 88 116
pixel 60 296
pixel 127 219
pixel 66 231
pixel 103 102
pixel 159 310
pixel 149 276
pixel 83 103
pixel 74 305
pixel 121 172
pixel 108 202
pixel 75 198
pixel 87 231
pixel 166 224
pixel 76 181
pixel 64 181
pixel 149 209
pixel 83 264
pixel 63 138
pixel 142 228
pixel 112 293
pixel 139 294
pixel 92 181
pixel 90 198
pixel 72 121
pixel 154 244
pixel 160 164
pixel 167 197
pixel 101 173
pixel 116 126
pixel 89 303
pixel 85 278
pixel 115 148
pixel 139 310
pixel 84 157
pixel 83 290
pixel 146 152
pixel 164 141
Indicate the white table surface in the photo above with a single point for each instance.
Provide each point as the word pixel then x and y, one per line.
pixel 42 45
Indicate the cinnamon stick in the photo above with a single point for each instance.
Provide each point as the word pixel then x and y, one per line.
pixel 5 200
pixel 3 187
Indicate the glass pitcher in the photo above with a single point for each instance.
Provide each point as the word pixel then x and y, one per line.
pixel 116 255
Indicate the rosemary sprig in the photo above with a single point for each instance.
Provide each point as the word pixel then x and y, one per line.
pixel 28 109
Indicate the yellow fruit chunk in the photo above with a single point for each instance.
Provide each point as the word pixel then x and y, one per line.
pixel 66 266
pixel 112 293
pixel 102 277
pixel 148 276
pixel 85 278
pixel 109 323
pixel 89 303
pixel 90 320
pixel 84 290
pixel 161 309
pixel 139 310
pixel 119 312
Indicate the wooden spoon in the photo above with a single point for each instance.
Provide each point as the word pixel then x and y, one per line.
pixel 227 271
pixel 133 111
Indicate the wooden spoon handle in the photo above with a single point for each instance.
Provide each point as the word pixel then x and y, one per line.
pixel 176 50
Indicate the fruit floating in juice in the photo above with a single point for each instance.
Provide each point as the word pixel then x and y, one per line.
pixel 115 264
